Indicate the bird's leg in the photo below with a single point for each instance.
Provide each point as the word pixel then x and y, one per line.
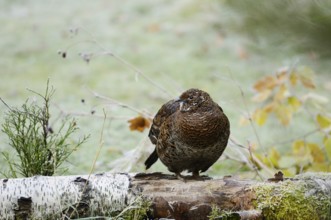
pixel 195 174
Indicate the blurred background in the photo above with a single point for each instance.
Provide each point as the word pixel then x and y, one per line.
pixel 124 59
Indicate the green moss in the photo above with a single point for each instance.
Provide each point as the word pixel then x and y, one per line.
pixel 296 199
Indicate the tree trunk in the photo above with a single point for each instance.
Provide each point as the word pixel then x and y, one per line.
pixel 156 195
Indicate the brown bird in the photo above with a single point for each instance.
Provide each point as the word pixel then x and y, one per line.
pixel 190 133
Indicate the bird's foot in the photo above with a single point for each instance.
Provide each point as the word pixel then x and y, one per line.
pixel 195 176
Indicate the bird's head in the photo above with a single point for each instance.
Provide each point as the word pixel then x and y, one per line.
pixel 191 99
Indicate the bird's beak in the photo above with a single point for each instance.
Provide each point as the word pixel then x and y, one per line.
pixel 181 102
pixel 180 106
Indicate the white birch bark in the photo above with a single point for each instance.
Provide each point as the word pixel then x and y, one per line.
pixel 42 197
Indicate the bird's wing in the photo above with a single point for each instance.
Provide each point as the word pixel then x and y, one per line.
pixel 161 116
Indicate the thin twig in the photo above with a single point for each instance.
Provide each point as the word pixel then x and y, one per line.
pixel 260 163
pixel 250 117
pixel 64 113
pixel 253 158
pixel 304 136
pixel 137 71
pixel 113 101
pixel 6 104
pixel 100 144
pixel 96 157
pixel 123 61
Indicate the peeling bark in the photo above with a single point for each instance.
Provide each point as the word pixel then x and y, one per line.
pixel 193 199
pixel 69 197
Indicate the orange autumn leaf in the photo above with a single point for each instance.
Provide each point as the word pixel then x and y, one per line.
pixel 262 96
pixel 282 76
pixel 284 114
pixel 308 83
pixel 154 28
pixel 281 94
pixel 270 107
pixel 139 123
pixel 268 82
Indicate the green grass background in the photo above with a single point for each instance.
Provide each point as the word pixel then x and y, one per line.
pixel 176 44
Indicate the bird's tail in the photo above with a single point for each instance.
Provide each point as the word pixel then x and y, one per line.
pixel 151 159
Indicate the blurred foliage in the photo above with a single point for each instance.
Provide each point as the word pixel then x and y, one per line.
pixel 281 96
pixel 304 24
pixel 177 44
pixel 40 148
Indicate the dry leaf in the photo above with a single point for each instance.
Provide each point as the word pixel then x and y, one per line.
pixel 153 28
pixel 306 76
pixel 139 123
pixel 281 77
pixel 284 114
pixel 308 83
pixel 270 107
pixel 268 82
pixel 262 96
pixel 281 94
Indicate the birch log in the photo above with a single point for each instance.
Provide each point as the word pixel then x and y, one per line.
pixel 306 196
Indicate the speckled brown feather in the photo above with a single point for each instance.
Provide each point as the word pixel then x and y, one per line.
pixel 165 111
pixel 190 133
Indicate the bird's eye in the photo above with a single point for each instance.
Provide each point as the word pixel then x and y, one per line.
pixel 190 98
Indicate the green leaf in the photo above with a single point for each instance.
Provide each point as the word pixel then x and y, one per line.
pixel 323 121
pixel 294 102
pixel 298 147
pixel 260 116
